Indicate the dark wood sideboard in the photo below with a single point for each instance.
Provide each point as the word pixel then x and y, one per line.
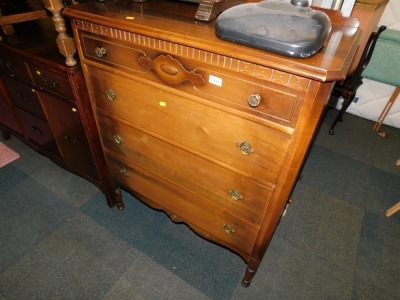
pixel 211 132
pixel 45 103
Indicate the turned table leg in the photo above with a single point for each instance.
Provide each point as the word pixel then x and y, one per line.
pixel 251 270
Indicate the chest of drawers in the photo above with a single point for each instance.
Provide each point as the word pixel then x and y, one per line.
pixel 210 132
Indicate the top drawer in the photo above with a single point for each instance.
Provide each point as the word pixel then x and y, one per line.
pixel 52 81
pixel 226 85
pixel 14 67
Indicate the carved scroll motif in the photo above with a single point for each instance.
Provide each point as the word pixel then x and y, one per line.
pixel 170 70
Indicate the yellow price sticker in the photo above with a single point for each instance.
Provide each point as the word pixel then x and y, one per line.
pixel 163 104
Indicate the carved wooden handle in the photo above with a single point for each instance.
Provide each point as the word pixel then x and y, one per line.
pixel 170 70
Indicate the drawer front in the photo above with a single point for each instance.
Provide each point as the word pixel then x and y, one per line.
pixel 24 96
pixel 52 81
pixel 213 222
pixel 245 146
pixel 37 130
pixel 254 95
pixel 110 52
pixel 7 116
pixel 14 67
pixel 237 194
pixel 67 127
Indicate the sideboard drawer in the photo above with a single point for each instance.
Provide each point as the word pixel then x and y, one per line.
pixel 237 194
pixel 186 206
pixel 14 66
pixel 37 130
pixel 51 81
pixel 249 147
pixel 24 96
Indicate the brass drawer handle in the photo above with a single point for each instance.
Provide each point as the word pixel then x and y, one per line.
pixel 170 70
pixel 254 100
pixel 235 195
pixel 22 97
pixel 118 139
pixel 245 148
pixel 228 228
pixel 100 51
pixel 124 172
pixel 111 95
pixel 37 130
pixel 70 140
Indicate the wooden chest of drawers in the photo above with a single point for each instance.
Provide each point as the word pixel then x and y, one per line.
pixel 210 132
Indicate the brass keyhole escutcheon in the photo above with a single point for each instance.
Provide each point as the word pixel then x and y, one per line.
pixel 235 195
pixel 254 100
pixel 245 148
pixel 124 172
pixel 111 95
pixel 118 139
pixel 100 51
pixel 228 228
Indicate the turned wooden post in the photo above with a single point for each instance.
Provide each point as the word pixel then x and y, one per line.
pixel 65 43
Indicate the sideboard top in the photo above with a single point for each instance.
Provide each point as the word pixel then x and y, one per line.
pixel 174 21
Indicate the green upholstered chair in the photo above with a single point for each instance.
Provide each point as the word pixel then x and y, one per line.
pixel 385 67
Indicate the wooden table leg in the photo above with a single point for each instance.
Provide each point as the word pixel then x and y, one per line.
pixel 393 209
pixel 387 108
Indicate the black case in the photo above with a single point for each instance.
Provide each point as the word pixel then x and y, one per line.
pixel 291 29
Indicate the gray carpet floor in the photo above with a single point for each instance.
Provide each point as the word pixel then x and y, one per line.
pixel 59 239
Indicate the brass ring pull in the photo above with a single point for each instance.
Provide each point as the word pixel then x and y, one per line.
pixel 124 172
pixel 100 51
pixel 245 148
pixel 228 228
pixel 254 100
pixel 235 195
pixel 118 139
pixel 111 95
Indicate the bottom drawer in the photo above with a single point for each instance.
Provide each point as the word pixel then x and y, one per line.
pixel 37 130
pixel 199 213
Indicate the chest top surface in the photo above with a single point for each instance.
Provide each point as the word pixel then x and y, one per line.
pixel 174 21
